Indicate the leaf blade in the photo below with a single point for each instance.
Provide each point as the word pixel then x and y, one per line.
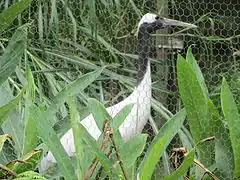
pixel 160 143
pixel 13 53
pixel 231 114
pixel 8 16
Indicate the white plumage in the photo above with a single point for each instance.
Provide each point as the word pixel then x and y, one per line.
pixel 133 124
pixel 140 97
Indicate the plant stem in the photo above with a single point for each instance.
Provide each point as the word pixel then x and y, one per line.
pixel 119 158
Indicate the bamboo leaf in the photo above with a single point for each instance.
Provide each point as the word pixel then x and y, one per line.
pixel 7 109
pixel 159 144
pixel 49 137
pixel 77 134
pixel 72 89
pixel 8 16
pixel 30 130
pixel 13 53
pixel 231 114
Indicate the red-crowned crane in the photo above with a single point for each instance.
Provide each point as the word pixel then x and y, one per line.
pixel 140 97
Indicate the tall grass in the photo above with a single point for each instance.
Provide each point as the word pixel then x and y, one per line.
pixel 67 44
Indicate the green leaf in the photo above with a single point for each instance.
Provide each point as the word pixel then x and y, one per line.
pixel 13 53
pixel 72 89
pixel 121 116
pixel 231 114
pixel 28 162
pixel 77 134
pixel 29 175
pixel 30 130
pixel 8 16
pixel 196 105
pixel 99 113
pixel 3 139
pixel 118 120
pixel 223 149
pixel 195 68
pixel 160 143
pixel 184 167
pixel 7 109
pixel 93 145
pixel 132 149
pixel 49 137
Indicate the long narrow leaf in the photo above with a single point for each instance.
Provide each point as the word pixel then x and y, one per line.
pixel 13 53
pixel 231 114
pixel 223 149
pixel 8 16
pixel 77 135
pixel 30 131
pixel 49 137
pixel 72 89
pixel 7 109
pixel 160 143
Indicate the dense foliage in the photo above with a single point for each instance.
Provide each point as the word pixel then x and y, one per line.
pixel 41 98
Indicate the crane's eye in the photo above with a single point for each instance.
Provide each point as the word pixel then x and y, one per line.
pixel 157 17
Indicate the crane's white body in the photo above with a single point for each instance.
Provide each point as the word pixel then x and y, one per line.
pixel 132 125
pixel 140 97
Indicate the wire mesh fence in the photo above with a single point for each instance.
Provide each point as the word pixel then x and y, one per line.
pixel 69 38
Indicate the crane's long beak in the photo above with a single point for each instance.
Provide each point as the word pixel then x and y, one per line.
pixel 172 22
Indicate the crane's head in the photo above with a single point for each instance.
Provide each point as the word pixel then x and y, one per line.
pixel 151 22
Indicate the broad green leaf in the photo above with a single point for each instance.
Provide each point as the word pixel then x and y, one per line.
pixel 8 16
pixel 160 143
pixel 195 68
pixel 223 148
pixel 13 53
pixel 7 109
pixel 132 149
pixel 3 139
pixel 231 114
pixel 99 113
pixel 30 130
pixel 49 137
pixel 93 145
pixel 184 167
pixel 196 105
pixel 77 134
pixel 72 89
pixel 28 162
